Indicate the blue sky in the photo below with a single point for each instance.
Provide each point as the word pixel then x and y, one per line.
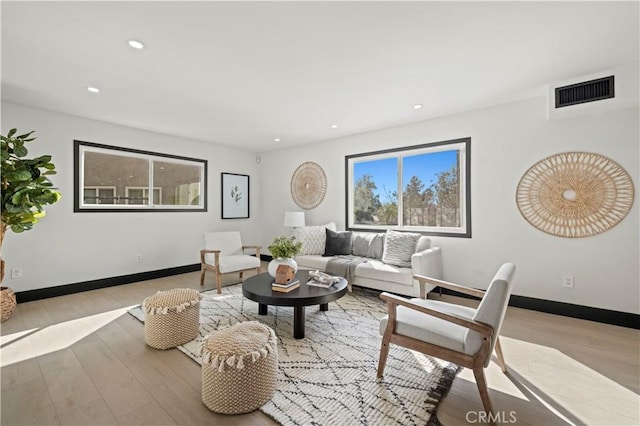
pixel 424 166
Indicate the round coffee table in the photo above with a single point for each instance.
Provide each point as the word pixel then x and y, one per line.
pixel 258 289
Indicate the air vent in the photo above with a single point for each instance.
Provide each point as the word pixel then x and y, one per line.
pixel 587 91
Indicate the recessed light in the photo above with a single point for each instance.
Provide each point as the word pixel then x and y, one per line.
pixel 417 106
pixel 334 126
pixel 276 140
pixel 136 44
pixel 93 89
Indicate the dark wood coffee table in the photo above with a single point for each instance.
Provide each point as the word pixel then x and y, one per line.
pixel 258 289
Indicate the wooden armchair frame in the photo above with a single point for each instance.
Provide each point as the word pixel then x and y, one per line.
pixel 475 362
pixel 204 266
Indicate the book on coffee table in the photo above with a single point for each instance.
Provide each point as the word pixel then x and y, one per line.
pixel 315 283
pixel 285 288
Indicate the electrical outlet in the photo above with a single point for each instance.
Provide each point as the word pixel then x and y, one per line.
pixel 138 258
pixel 567 281
pixel 16 273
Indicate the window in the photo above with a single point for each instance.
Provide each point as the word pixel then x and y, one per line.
pixel 110 178
pixel 423 188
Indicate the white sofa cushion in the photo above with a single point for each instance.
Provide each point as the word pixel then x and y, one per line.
pixel 312 262
pixel 314 238
pixel 398 247
pixel 377 270
pixel 439 332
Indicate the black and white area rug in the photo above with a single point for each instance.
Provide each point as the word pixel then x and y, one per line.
pixel 329 377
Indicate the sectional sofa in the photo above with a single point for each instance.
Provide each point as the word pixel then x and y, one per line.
pixel 380 261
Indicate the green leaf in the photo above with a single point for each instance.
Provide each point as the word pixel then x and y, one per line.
pixel 26 135
pixel 42 160
pixel 11 132
pixel 22 175
pixel 17 228
pixel 12 208
pixel 21 151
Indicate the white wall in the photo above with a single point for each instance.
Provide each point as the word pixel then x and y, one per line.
pixel 505 141
pixel 67 247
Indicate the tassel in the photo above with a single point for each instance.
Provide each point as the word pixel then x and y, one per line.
pixel 231 360
pixel 263 351
pixel 269 349
pixel 240 364
pixel 255 356
pixel 206 358
pixel 214 364
pixel 221 367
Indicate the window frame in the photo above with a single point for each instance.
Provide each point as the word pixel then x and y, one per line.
pixel 79 147
pixel 464 231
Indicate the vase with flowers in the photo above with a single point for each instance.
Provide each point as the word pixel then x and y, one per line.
pixel 283 249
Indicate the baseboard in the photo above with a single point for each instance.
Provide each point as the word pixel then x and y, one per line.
pixel 44 293
pixel 606 316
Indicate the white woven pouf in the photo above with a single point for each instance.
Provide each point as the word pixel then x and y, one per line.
pixel 172 317
pixel 239 368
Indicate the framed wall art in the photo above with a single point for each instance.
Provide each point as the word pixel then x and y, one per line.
pixel 235 196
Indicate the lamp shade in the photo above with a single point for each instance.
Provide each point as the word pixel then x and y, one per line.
pixel 294 219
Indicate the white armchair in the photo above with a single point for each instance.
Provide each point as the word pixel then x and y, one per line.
pixel 224 253
pixel 455 333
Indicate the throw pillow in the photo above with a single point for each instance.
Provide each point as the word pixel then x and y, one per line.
pixel 337 243
pixel 376 248
pixel 313 238
pixel 360 243
pixel 367 244
pixel 398 248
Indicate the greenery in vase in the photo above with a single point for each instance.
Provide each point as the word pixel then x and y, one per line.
pixel 283 247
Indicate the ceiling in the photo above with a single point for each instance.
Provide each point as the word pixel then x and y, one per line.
pixel 244 73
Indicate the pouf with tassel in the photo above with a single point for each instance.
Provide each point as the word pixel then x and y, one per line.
pixel 172 317
pixel 7 302
pixel 239 368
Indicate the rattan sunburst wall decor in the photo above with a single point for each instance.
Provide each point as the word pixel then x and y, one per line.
pixel 575 194
pixel 308 185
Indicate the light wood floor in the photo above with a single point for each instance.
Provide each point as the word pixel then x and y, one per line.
pixel 81 360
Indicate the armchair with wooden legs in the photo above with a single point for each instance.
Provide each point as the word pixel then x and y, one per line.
pixel 459 334
pixel 224 254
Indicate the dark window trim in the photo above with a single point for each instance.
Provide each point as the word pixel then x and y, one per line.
pixel 76 180
pixel 467 144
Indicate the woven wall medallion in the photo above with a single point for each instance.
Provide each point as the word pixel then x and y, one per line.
pixel 575 194
pixel 308 185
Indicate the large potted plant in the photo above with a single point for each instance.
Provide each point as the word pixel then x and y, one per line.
pixel 282 250
pixel 26 189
